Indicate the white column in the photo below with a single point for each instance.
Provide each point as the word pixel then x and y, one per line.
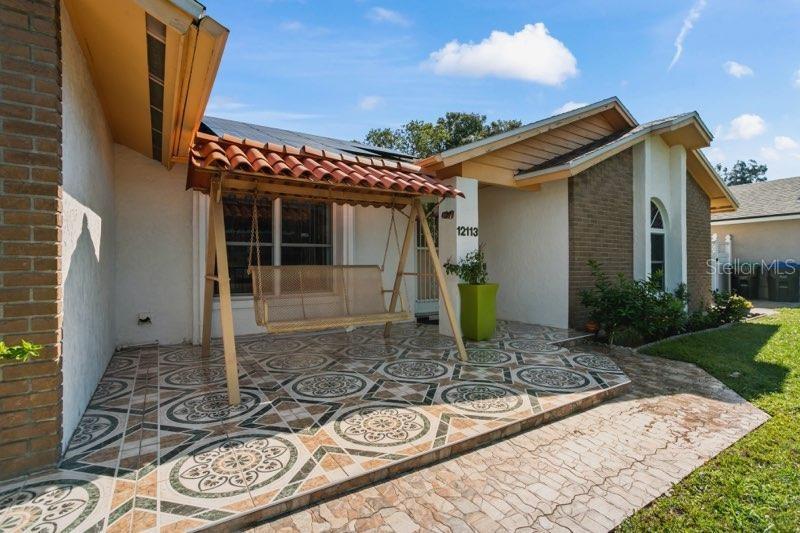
pixel 676 239
pixel 458 236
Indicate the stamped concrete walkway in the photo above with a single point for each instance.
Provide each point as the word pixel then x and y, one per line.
pixel 587 472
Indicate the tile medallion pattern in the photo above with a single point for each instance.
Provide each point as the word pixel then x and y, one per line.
pixel 160 448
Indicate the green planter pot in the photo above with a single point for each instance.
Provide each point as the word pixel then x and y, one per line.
pixel 478 310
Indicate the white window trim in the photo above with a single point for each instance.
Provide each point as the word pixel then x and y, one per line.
pixel 658 231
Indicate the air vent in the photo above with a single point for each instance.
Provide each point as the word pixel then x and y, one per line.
pixel 156 52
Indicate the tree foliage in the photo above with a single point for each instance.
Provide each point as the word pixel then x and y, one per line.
pixel 420 138
pixel 743 172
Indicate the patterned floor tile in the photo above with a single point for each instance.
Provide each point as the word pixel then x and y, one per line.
pixel 161 448
pixel 56 502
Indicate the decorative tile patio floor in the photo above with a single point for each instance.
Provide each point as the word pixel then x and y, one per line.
pixel 159 447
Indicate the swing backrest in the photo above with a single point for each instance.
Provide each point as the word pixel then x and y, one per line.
pixel 310 297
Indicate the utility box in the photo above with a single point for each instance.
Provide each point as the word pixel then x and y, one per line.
pixel 783 282
pixel 745 279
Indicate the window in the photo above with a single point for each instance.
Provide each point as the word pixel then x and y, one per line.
pixel 238 221
pixel 305 233
pixel 657 242
pixel 304 238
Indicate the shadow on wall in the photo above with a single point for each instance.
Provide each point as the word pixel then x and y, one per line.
pixel 81 338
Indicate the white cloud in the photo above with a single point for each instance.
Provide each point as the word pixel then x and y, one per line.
pixel 230 108
pixel 381 14
pixel 796 79
pixel 737 70
pixel 569 106
pixel 223 104
pixel 531 54
pixel 746 126
pixel 688 24
pixel 368 103
pixel 785 143
pixel 781 146
pixel 715 154
pixel 292 25
pixel 769 153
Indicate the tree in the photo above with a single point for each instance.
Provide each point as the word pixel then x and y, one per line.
pixel 743 172
pixel 420 138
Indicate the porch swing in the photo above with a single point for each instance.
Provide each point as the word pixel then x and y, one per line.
pixel 309 298
pixel 295 298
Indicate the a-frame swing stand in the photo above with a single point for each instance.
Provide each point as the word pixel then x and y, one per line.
pixel 217 269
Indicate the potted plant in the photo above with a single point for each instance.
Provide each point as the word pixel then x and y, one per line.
pixel 478 298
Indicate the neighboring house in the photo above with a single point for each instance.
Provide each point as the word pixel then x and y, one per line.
pixel 765 228
pixel 104 247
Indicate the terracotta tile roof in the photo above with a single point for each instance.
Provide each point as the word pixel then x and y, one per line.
pixel 316 166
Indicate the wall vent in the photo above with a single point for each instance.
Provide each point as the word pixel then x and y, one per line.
pixel 156 54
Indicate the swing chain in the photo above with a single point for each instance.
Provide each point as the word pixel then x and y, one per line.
pixel 255 242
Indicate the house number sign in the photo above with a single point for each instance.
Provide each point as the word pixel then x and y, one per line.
pixel 467 231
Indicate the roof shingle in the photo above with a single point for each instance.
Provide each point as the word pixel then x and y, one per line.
pixel 764 199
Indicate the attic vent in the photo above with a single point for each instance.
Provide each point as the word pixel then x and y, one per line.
pixel 156 52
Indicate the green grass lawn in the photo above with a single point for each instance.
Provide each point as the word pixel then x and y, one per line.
pixel 755 484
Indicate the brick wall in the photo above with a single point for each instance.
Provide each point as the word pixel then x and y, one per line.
pixel 698 244
pixel 600 226
pixel 30 231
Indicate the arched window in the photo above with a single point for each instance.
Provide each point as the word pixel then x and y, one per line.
pixel 657 242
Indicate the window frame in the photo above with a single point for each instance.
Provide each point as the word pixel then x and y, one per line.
pixel 658 231
pixel 276 213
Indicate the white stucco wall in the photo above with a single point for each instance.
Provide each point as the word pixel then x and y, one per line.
pixel 370 229
pixel 526 238
pixel 87 236
pixel 154 259
pixel 756 241
pixel 762 241
pixel 659 173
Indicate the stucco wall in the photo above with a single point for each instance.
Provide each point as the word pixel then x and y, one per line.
pixel 660 175
pixel 88 234
pixel 601 226
pixel 370 229
pixel 154 250
pixel 755 241
pixel 767 241
pixel 525 236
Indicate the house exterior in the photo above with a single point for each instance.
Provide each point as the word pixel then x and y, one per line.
pixel 765 228
pixel 103 245
pixel 590 184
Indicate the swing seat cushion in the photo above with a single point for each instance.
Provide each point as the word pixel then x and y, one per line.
pixel 316 297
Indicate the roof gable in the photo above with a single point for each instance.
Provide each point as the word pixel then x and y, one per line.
pixel 558 134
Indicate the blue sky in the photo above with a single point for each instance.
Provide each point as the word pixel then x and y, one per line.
pixel 339 68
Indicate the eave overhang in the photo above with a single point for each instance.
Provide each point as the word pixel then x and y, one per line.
pixel 116 39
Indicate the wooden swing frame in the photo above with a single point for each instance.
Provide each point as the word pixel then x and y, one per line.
pixel 217 255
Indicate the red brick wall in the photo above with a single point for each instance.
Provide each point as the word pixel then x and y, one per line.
pixel 698 244
pixel 600 226
pixel 30 231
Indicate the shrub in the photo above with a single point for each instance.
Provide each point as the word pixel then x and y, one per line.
pixel 639 309
pixel 471 269
pixel 19 352
pixel 726 308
